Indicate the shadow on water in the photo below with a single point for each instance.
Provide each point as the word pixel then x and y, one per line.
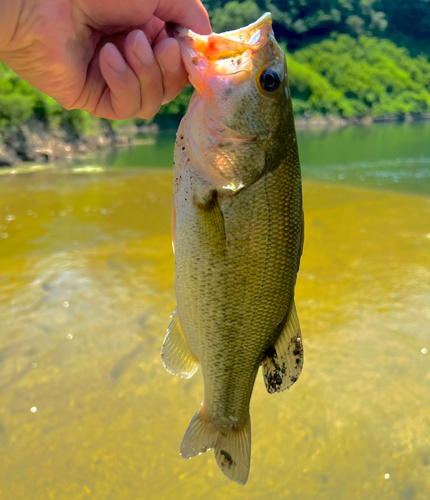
pixel 86 289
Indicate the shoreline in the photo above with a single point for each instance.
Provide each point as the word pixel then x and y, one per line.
pixel 24 169
pixel 311 122
pixel 33 143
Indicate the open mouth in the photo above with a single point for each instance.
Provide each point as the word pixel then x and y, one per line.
pixel 225 53
pixel 225 45
pixel 229 44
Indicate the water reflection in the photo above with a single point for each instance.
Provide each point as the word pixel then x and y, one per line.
pixel 87 409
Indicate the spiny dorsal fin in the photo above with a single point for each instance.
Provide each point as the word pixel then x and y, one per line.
pixel 175 353
pixel 283 364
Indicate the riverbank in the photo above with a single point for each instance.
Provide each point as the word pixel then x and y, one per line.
pixel 33 142
pixel 331 121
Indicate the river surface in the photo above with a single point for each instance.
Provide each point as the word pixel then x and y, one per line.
pixel 87 410
pixel 393 156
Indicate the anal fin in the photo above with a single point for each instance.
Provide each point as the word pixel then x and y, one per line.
pixel 175 353
pixel 284 362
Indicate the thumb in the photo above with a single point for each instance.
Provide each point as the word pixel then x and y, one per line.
pixel 188 13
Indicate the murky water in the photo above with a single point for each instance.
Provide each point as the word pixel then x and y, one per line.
pixel 87 410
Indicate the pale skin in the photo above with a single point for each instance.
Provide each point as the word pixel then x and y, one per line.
pixel 111 58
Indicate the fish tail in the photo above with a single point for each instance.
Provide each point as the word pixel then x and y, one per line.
pixel 232 445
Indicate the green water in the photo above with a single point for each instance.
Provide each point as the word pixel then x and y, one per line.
pixel 393 156
pixel 87 410
pixel 390 156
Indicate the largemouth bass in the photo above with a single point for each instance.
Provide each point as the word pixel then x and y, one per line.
pixel 237 225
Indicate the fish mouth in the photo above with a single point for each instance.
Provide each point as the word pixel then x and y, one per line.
pixel 220 53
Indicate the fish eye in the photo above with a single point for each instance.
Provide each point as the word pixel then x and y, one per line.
pixel 270 80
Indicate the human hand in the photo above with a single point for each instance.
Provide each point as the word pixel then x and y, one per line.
pixel 110 58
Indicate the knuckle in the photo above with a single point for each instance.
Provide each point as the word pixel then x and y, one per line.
pixel 150 105
pixel 126 107
pixel 149 112
pixel 124 114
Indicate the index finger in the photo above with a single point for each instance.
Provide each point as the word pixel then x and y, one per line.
pixel 188 13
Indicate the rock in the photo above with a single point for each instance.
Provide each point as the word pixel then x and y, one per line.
pixel 16 141
pixel 307 122
pixel 7 157
pixel 367 121
pixel 34 142
pixel 387 118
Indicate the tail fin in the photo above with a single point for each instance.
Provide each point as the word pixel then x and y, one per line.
pixel 232 445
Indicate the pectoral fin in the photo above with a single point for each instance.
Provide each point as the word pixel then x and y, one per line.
pixel 211 227
pixel 175 353
pixel 284 362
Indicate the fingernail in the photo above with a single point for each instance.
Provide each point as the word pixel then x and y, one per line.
pixel 170 57
pixel 142 50
pixel 114 58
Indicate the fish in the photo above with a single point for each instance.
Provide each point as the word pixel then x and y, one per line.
pixel 238 232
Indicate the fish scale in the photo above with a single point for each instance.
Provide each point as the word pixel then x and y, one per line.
pixel 237 250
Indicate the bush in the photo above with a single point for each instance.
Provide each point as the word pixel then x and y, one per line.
pixel 19 101
pixel 361 76
pixel 234 15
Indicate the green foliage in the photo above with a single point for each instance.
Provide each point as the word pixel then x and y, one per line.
pixel 19 101
pixel 14 110
pixel 373 76
pixel 234 15
pixel 313 94
pixel 16 99
pixel 179 105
